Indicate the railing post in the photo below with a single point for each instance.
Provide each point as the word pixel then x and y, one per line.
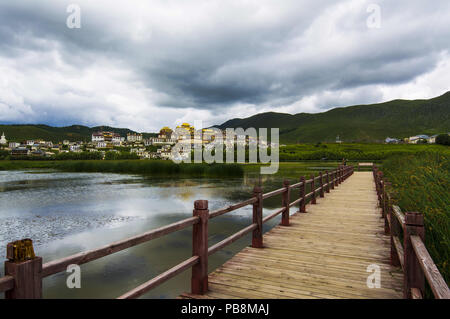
pixel 321 185
pixel 336 177
pixel 313 189
pixel 332 179
pixel 26 269
pixel 328 181
pixel 413 275
pixel 302 205
pixel 199 280
pixel 286 201
pixel 257 239
pixel 395 261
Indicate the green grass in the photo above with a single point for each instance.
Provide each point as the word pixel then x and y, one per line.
pixel 422 184
pixel 354 151
pixel 144 167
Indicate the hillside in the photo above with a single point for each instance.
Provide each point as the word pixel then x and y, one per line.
pixel 359 123
pixel 56 134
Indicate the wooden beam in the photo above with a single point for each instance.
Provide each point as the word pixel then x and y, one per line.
pixel 199 280
pixel 434 277
pixel 6 283
pixel 285 203
pixel 172 272
pixel 257 237
pixel 232 208
pixel 413 273
pixel 58 265
pixel 229 240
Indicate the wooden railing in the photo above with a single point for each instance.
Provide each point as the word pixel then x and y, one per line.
pixel 23 276
pixel 412 256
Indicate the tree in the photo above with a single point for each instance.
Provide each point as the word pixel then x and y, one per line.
pixel 443 139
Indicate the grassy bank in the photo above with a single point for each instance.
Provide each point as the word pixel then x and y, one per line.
pixel 353 151
pixel 144 167
pixel 422 183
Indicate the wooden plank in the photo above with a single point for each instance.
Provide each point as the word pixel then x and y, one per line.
pixel 434 277
pixel 58 265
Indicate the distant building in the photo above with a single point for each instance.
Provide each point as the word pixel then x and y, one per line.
pixel 134 137
pixel 416 139
pixel 106 137
pixel 13 145
pixel 20 151
pixel 3 140
pixel 338 140
pixel 432 139
pixel 165 133
pixel 390 140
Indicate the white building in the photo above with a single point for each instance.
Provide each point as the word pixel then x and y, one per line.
pixel 13 144
pixel 97 137
pixel 133 137
pixel 3 140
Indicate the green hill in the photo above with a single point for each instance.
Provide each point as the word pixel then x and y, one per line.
pixel 55 134
pixel 359 123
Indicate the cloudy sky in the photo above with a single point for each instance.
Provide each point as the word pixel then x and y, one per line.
pixel 147 64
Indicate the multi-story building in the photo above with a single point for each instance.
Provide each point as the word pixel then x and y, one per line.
pixel 134 137
pixel 106 137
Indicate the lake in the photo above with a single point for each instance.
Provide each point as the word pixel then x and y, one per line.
pixel 66 213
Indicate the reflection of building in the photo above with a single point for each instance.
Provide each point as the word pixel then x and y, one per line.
pixel 3 140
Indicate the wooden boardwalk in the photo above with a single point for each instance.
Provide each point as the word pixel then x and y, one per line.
pixel 324 253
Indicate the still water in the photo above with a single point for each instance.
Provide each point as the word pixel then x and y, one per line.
pixel 66 213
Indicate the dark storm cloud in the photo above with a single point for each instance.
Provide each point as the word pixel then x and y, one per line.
pixel 208 55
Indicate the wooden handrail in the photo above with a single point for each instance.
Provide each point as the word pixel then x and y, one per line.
pixel 434 277
pixel 6 283
pixel 399 215
pixel 232 208
pixel 172 272
pixel 199 221
pixel 59 265
pixel 274 193
pixel 229 240
pixel 399 248
pixel 412 256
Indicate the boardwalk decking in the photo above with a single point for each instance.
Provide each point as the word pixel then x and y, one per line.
pixel 324 253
